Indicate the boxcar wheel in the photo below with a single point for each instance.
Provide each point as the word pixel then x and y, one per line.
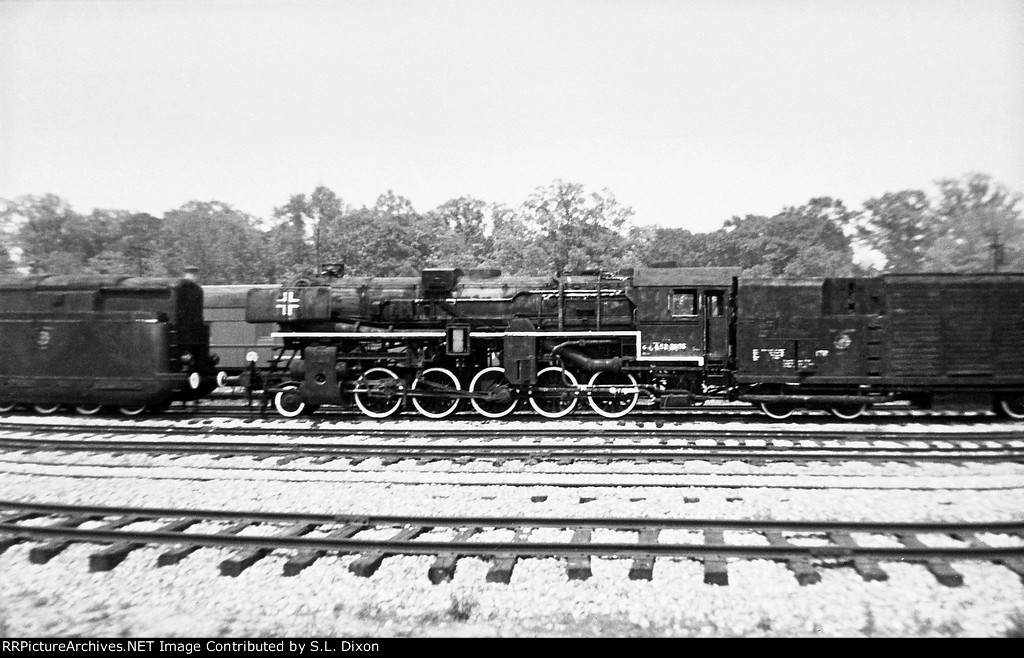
pixel 777 410
pixel 6 406
pixel 848 411
pixel 133 410
pixel 1012 406
pixel 288 401
pixel 46 408
pixel 88 409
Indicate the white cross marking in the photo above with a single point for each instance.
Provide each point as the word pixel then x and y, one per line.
pixel 288 302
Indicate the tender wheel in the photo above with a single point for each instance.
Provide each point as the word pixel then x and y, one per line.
pixel 777 410
pixel 848 411
pixel 88 409
pixel 501 398
pixel 560 397
pixel 288 401
pixel 436 380
pixel 46 408
pixel 132 410
pixel 1011 405
pixel 382 395
pixel 617 395
pixel 6 406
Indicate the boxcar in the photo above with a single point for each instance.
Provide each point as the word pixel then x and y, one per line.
pixel 231 337
pixel 941 341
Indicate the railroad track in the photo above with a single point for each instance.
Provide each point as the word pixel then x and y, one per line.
pixel 498 451
pixel 231 406
pixel 805 547
pixel 474 428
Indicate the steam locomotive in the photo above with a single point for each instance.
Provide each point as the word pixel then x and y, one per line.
pixel 658 337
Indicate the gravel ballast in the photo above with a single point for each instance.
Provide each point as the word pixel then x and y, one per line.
pixel 763 598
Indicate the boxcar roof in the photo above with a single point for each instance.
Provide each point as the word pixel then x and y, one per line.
pixel 966 276
pixel 230 295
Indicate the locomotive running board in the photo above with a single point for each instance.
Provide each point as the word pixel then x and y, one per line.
pixel 369 336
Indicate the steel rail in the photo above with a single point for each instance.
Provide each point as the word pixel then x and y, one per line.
pixel 519 549
pixel 616 523
pixel 666 433
pixel 525 452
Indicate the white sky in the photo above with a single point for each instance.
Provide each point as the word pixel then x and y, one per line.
pixel 690 112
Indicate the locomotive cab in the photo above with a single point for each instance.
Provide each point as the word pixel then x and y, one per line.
pixel 683 314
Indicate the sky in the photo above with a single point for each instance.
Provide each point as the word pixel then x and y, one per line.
pixel 688 112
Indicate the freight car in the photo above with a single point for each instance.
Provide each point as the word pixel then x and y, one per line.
pixel 235 341
pixel 665 337
pixel 95 342
pixel 939 341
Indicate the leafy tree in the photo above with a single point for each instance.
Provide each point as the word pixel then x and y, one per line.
pixel 222 242
pixel 390 239
pixel 7 233
pixel 516 246
pixel 57 240
pixel 578 230
pixel 901 226
pixel 138 246
pixel 298 240
pixel 467 243
pixel 6 262
pixel 47 231
pixel 801 241
pixel 974 224
pixel 657 244
pixel 982 227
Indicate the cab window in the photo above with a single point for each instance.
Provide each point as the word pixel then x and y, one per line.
pixel 683 303
pixel 716 304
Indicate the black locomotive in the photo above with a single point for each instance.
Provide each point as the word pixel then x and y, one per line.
pixel 95 342
pixel 664 337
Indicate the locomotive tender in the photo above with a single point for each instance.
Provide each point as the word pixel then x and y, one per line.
pixel 100 341
pixel 665 337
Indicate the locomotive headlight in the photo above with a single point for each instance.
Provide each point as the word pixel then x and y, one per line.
pixel 457 343
pixel 251 357
pixel 193 380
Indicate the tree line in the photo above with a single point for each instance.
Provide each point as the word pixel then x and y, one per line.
pixel 967 224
